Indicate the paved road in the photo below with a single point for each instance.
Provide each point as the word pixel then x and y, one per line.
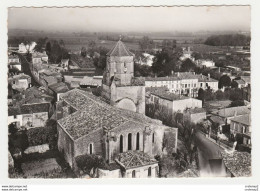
pixel 208 150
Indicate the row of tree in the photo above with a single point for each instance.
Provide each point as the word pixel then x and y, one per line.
pixel 228 40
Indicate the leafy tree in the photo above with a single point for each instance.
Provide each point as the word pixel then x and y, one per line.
pixel 40 44
pixel 188 66
pixel 83 52
pixel 48 48
pixel 196 55
pixel 228 40
pixel 201 95
pixel 146 43
pixel 224 81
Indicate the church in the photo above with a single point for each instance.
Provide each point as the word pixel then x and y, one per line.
pixel 114 125
pixel 120 88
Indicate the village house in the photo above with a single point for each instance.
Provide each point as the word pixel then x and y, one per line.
pixel 119 87
pixel 183 83
pixel 13 59
pixel 57 89
pixel 88 125
pixel 195 115
pixel 186 54
pixel 15 65
pixel 24 48
pixel 92 82
pixel 241 125
pixel 38 57
pixel 205 63
pixel 221 118
pixel 172 102
pixel 20 82
pixel 29 115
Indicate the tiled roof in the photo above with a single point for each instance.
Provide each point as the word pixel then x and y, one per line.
pixel 244 119
pixel 119 50
pixel 59 87
pixel 217 120
pixel 169 96
pixel 133 159
pixel 246 79
pixel 240 81
pixel 232 111
pixel 14 63
pixel 238 163
pixel 93 113
pixel 21 76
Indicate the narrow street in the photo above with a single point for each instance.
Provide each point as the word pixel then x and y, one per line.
pixel 207 151
pixel 27 69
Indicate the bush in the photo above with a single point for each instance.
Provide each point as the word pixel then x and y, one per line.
pixel 86 162
pixel 42 135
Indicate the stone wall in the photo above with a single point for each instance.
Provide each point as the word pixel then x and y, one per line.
pixel 95 138
pixel 65 145
pixel 142 172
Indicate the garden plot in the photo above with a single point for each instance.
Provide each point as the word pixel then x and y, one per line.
pixel 40 166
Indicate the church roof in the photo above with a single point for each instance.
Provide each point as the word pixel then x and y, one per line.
pixel 133 159
pixel 119 50
pixel 92 114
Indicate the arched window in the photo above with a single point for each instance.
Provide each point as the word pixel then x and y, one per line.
pixel 153 138
pixel 149 172
pixel 130 141
pixel 121 144
pixel 90 148
pixel 133 174
pixel 137 141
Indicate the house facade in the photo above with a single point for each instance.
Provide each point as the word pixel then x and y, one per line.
pixel 242 125
pixel 172 102
pixel 186 83
pixel 20 82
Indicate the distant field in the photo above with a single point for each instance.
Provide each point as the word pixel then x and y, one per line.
pixel 202 48
pixel 105 43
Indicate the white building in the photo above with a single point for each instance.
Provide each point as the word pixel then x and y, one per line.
pixel 27 48
pixel 173 102
pixel 205 63
pixel 38 57
pixel 20 82
pixel 185 83
pixel 147 59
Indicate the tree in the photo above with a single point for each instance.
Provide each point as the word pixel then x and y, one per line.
pixel 196 55
pixel 83 52
pixel 201 95
pixel 224 81
pixel 188 66
pixel 40 44
pixel 146 43
pixel 48 48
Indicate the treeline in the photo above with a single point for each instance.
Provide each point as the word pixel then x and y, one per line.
pixel 228 40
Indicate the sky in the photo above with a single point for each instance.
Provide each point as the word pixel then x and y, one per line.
pixel 134 19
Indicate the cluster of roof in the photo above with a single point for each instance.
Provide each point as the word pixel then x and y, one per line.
pixel 59 87
pixel 82 62
pixel 133 159
pixel 92 113
pixel 238 163
pixel 243 80
pixel 119 50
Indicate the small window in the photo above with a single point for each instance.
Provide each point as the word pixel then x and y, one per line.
pixel 133 174
pixel 15 116
pixel 149 172
pixel 90 149
pixel 130 141
pixel 137 141
pixel 153 138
